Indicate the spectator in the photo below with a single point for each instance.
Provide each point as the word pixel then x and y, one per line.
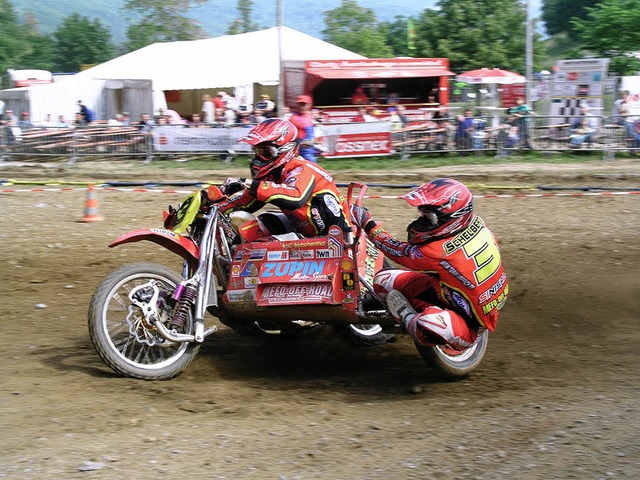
pixel 9 117
pixel 583 128
pixel 264 108
pixel 208 109
pixel 79 120
pixel 479 134
pixel 244 112
pixel 393 98
pixel 146 123
pixel 464 130
pixel 394 118
pixel 522 112
pixel 62 123
pixel 302 118
pixel 218 100
pixel 230 101
pixel 286 113
pixel 196 121
pixel 368 115
pixel 620 108
pixel 359 97
pixel 126 118
pixel 229 114
pixel 12 132
pixel 117 121
pixel 48 121
pixel 25 120
pixel 86 112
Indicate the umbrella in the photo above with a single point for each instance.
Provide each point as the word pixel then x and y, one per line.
pixel 491 76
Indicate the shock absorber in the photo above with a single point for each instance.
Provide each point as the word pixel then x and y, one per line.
pixel 186 301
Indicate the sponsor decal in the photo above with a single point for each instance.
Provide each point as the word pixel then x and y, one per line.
pixel 463 237
pixel 249 270
pixel 324 253
pixel 238 296
pixel 348 298
pixel 348 281
pixel 278 255
pixel 307 293
pixel 251 282
pixel 299 244
pixel 493 289
pixel 289 269
pixel 258 253
pixel 238 255
pixel 301 254
pixel 161 231
pixel 235 270
pixel 370 261
pixel 335 246
pixel 332 204
pixel 333 230
pixel 498 303
pixel 346 265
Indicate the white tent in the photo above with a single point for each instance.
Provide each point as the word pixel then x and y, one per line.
pixel 236 61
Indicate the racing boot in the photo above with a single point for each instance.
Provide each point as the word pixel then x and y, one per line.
pixel 400 308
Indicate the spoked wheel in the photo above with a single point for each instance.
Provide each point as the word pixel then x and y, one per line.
pixel 452 363
pixel 121 335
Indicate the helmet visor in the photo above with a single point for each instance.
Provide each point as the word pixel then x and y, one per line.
pixel 265 151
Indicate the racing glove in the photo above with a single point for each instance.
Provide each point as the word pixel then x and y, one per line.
pixel 233 185
pixel 362 218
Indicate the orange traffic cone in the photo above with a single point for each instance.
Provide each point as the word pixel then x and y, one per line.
pixel 91 206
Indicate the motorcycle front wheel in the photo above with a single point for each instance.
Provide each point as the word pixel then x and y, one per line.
pixel 121 335
pixel 452 363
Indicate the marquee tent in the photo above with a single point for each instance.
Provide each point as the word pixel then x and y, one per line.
pixel 231 61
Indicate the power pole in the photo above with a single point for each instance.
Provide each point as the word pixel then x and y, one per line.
pixel 528 54
pixel 281 69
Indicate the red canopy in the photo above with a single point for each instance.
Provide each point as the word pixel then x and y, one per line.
pixel 491 75
pixel 380 68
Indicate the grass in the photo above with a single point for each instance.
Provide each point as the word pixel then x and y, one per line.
pixel 388 163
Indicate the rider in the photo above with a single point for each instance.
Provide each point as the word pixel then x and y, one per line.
pixel 456 283
pixel 304 192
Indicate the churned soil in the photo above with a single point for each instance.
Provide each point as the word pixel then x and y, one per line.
pixel 557 395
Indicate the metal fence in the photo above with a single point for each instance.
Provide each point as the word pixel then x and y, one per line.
pixel 490 135
pixel 505 135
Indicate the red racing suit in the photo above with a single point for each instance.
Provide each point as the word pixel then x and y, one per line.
pixel 461 274
pixel 304 192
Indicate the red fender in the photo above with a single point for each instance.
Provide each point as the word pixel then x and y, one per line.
pixel 180 245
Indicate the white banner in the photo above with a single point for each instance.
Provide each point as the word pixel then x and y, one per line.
pixel 174 138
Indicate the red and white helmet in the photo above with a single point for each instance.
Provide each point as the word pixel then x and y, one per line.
pixel 446 207
pixel 275 141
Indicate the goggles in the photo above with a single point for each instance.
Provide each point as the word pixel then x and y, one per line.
pixel 265 152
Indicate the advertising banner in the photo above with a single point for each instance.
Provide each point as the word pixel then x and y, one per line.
pixel 578 83
pixel 355 139
pixel 173 138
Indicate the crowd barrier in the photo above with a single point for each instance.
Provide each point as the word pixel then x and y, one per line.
pixel 491 135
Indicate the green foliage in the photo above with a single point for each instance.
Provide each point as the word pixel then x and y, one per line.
pixel 162 21
pixel 557 15
pixel 611 30
pixel 80 41
pixel 355 28
pixel 398 36
pixel 485 33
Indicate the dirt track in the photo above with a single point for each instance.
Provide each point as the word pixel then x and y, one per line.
pixel 556 397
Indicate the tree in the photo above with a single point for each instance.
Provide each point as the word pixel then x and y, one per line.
pixel 611 30
pixel 557 15
pixel 244 23
pixel 355 28
pixel 80 41
pixel 162 21
pixel 400 36
pixel 485 33
pixel 21 46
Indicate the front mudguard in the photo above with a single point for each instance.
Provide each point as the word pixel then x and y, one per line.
pixel 182 246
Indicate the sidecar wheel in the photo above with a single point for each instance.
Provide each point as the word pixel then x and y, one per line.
pixel 126 343
pixel 453 364
pixel 368 334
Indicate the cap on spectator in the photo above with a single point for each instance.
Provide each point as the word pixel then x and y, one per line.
pixel 24 114
pixel 264 95
pixel 306 99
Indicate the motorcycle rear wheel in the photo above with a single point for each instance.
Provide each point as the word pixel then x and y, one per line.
pixel 112 317
pixel 453 364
